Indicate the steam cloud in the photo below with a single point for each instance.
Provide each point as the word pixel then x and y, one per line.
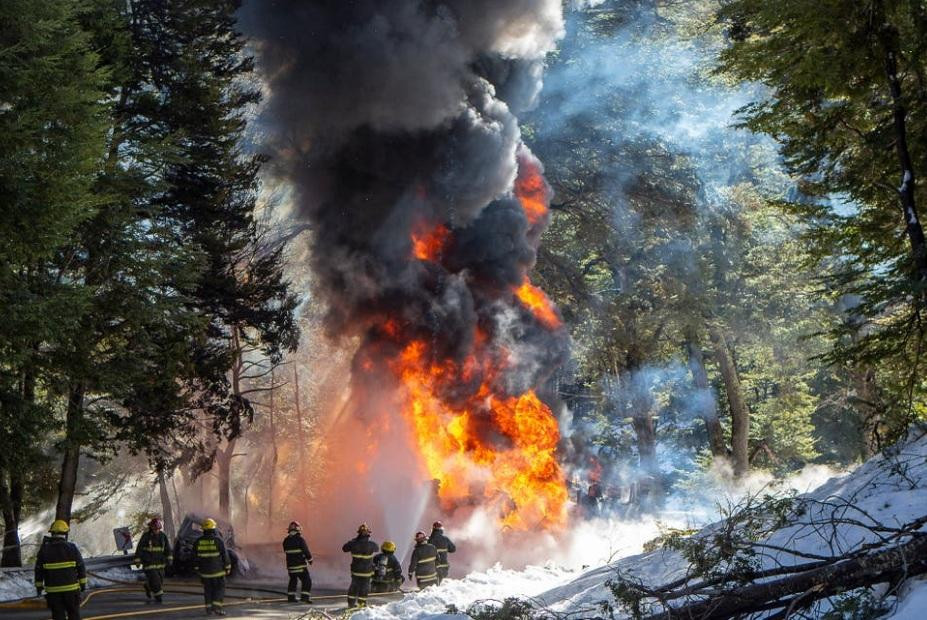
pixel 391 118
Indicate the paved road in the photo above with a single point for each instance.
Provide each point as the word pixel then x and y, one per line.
pixel 183 599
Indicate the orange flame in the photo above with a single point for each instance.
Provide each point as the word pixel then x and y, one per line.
pixel 535 300
pixel 428 244
pixel 531 189
pixel 500 447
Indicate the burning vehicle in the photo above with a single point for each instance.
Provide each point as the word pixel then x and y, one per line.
pixel 191 529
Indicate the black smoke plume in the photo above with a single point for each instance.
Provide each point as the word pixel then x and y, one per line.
pixel 390 117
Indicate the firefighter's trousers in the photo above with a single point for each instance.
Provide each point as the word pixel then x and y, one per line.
pixel 154 582
pixel 214 592
pixel 357 593
pixel 64 605
pixel 424 582
pixel 303 577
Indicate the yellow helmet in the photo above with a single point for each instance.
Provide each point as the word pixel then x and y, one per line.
pixel 209 524
pixel 388 546
pixel 59 527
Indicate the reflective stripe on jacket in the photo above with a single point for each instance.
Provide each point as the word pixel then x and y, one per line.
pixel 154 550
pixel 59 566
pixel 424 560
pixel 297 553
pixel 210 558
pixel 362 550
pixel 443 544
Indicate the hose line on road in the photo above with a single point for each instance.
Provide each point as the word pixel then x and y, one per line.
pixel 253 589
pixel 192 589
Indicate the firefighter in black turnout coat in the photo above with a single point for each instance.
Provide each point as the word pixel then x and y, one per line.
pixel 212 563
pixel 154 554
pixel 362 550
pixel 59 570
pixel 387 571
pixel 443 545
pixel 424 562
pixel 298 559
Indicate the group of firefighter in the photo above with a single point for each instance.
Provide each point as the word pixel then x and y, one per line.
pixel 60 571
pixel 382 572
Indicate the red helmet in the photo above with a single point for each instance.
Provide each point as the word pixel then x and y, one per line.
pixel 294 526
pixel 420 537
pixel 437 525
pixel 155 524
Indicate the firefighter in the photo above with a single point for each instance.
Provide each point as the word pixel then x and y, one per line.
pixel 211 562
pixel 443 545
pixel 298 559
pixel 154 554
pixel 59 570
pixel 423 562
pixel 387 571
pixel 362 550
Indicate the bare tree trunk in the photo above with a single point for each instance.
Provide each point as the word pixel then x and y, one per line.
pixel 642 405
pixel 273 456
pixel 11 501
pixel 11 497
pixel 740 415
pixel 67 483
pixel 866 400
pixel 798 591
pixel 888 36
pixel 224 457
pixel 301 431
pixel 246 493
pixel 707 408
pixel 180 510
pixel 166 512
pixel 224 466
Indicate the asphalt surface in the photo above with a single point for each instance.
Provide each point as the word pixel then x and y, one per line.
pixel 184 599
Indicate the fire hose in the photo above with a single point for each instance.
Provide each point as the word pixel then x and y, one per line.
pixel 128 586
pixel 194 590
pixel 133 586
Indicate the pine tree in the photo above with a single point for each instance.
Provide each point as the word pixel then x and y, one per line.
pixel 51 119
pixel 207 83
pixel 128 256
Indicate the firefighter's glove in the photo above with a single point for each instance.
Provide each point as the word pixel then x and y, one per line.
pixel 38 591
pixel 83 587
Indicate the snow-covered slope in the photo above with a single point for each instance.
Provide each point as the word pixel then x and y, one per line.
pixel 888 491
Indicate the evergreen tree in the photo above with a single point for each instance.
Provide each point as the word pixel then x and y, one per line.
pixel 130 259
pixel 199 63
pixel 846 101
pixel 51 119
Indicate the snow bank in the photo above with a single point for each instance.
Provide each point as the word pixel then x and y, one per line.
pixel 888 490
pixel 496 583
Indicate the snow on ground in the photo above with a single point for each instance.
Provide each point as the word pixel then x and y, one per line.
pixel 889 490
pixel 913 603
pixel 496 583
pixel 18 583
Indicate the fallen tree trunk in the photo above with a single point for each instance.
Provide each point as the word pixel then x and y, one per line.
pixel 800 590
